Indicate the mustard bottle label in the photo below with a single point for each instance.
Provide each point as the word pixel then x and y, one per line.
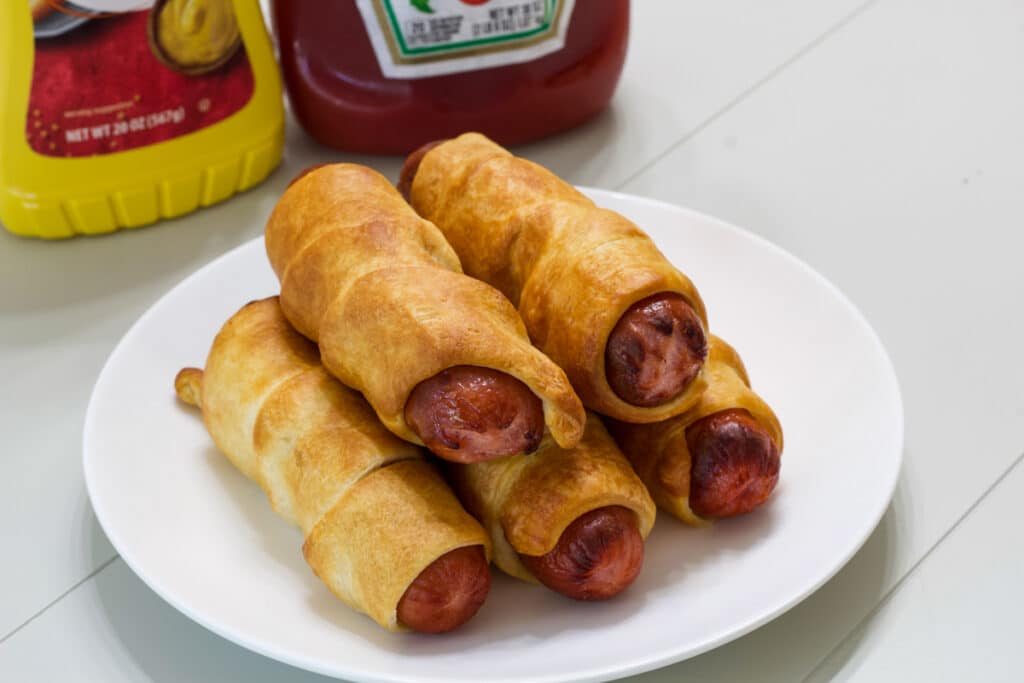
pixel 114 75
pixel 423 38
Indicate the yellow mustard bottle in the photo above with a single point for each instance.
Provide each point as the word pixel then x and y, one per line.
pixel 117 113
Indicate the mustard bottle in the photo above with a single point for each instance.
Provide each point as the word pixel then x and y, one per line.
pixel 117 113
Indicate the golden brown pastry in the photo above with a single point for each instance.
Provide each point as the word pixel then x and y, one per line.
pixel 382 529
pixel 596 294
pixel 720 458
pixel 443 358
pixel 573 519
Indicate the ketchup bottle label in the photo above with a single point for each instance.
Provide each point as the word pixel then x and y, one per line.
pixel 112 75
pixel 422 38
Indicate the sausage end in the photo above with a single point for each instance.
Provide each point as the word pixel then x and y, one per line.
pixel 655 350
pixel 734 464
pixel 469 414
pixel 448 592
pixel 597 556
pixel 411 165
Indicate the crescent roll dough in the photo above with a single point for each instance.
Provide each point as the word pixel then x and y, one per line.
pixel 384 295
pixel 571 268
pixel 660 448
pixel 373 511
pixel 525 502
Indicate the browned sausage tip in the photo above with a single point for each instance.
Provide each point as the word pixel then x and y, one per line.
pixel 469 414
pixel 597 556
pixel 655 350
pixel 411 165
pixel 734 464
pixel 448 592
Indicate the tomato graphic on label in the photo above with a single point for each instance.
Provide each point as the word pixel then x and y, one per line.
pixel 474 2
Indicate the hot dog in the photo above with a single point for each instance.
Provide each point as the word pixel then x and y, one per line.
pixel 595 293
pixel 573 520
pixel 382 529
pixel 468 414
pixel 448 592
pixel 720 458
pixel 735 464
pixel 443 358
pixel 597 557
pixel 655 350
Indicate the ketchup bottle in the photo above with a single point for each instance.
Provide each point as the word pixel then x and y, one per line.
pixel 385 76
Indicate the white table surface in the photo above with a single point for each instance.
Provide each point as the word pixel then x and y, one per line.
pixel 881 142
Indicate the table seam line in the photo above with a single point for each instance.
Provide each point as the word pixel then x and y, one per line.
pixel 748 91
pixel 889 594
pixel 60 597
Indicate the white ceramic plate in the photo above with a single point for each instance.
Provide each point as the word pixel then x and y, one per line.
pixel 204 538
